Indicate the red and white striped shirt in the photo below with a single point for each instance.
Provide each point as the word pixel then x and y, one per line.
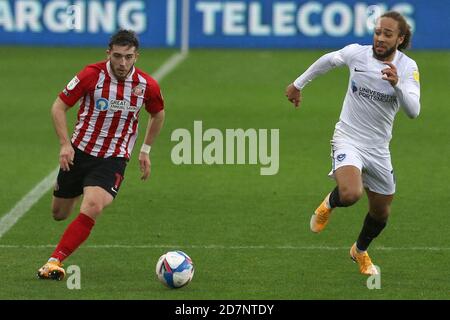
pixel 107 123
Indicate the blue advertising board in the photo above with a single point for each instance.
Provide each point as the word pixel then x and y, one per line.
pixel 218 23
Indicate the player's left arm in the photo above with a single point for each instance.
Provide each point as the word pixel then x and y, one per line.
pixel 154 104
pixel 154 126
pixel 407 88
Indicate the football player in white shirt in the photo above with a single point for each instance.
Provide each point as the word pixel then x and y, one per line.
pixel 382 81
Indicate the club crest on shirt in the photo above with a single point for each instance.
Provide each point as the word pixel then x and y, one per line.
pixel 138 90
pixel 340 157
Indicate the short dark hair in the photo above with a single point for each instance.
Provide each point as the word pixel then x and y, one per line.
pixel 405 28
pixel 124 38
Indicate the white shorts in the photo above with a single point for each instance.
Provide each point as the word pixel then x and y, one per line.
pixel 375 165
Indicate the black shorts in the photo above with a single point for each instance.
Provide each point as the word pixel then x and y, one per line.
pixel 87 170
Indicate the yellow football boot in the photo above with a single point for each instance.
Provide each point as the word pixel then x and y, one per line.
pixel 365 264
pixel 321 216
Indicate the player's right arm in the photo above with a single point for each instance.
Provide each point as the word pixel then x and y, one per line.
pixel 67 98
pixel 66 154
pixel 293 95
pixel 324 64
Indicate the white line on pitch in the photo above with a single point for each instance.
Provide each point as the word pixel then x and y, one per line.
pixel 9 219
pixel 223 247
pixel 21 207
pixel 169 65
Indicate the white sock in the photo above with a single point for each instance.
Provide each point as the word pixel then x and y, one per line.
pixel 327 201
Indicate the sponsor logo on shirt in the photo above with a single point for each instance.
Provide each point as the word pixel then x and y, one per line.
pixel 113 105
pixel 372 94
pixel 73 83
pixel 120 105
pixel 101 104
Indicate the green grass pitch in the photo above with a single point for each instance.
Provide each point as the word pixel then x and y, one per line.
pixel 247 234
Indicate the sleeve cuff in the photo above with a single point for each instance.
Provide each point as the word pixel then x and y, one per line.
pixel 66 99
pixel 297 84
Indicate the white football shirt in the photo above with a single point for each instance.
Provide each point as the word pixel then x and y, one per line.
pixel 371 102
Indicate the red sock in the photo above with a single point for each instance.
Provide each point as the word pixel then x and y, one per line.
pixel 76 233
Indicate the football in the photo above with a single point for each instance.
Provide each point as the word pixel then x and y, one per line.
pixel 175 269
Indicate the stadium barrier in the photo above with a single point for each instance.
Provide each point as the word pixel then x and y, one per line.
pixel 218 23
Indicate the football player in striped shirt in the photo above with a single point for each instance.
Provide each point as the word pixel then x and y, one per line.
pixel 92 161
pixel 383 80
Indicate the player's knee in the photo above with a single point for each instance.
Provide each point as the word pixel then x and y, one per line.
pixel 59 214
pixel 381 214
pixel 92 208
pixel 349 196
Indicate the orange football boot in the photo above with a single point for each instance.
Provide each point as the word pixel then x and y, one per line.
pixel 52 270
pixel 321 216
